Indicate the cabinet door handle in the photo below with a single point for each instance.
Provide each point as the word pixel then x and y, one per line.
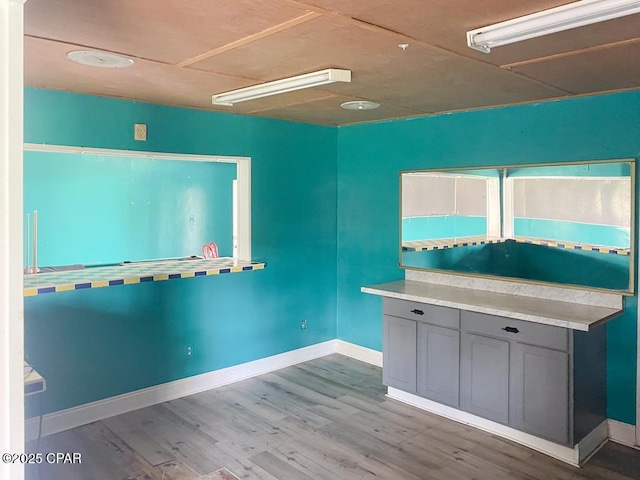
pixel 511 329
pixel 417 312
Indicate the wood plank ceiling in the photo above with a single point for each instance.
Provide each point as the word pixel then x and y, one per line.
pixel 185 52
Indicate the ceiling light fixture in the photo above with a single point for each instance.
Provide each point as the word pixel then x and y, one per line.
pixel 558 19
pixel 94 58
pixel 285 85
pixel 360 105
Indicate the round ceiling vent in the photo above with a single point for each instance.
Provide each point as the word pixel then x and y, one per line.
pixel 360 105
pixel 93 58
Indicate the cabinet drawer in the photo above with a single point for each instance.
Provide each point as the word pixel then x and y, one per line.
pixel 433 314
pixel 520 330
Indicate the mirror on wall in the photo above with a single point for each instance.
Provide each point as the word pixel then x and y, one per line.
pixel 569 224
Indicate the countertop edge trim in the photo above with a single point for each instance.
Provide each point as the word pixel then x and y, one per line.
pixel 492 310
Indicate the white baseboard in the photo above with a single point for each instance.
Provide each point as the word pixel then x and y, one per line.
pixel 573 456
pixel 91 412
pixel 363 354
pixel 593 442
pixel 623 433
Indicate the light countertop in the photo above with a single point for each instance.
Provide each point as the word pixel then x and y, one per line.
pixel 131 273
pixel 570 315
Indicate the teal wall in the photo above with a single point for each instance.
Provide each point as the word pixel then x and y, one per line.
pixel 98 343
pixel 370 156
pixel 607 169
pixel 442 226
pixel 527 261
pixel 94 344
pixel 564 231
pixel 95 209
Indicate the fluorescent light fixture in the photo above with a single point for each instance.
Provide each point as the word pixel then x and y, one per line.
pixel 285 85
pixel 558 19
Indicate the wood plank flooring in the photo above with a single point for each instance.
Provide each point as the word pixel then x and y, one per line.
pixel 327 419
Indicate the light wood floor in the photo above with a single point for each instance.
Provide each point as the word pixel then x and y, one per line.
pixel 327 419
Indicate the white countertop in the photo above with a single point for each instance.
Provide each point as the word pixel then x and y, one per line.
pixel 575 316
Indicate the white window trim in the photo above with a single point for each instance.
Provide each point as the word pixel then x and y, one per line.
pixel 234 234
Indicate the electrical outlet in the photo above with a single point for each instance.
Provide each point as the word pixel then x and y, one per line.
pixel 140 132
pixel 303 325
pixel 188 350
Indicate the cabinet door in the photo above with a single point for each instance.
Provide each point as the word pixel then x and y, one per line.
pixel 540 392
pixel 399 353
pixel 439 364
pixel 484 377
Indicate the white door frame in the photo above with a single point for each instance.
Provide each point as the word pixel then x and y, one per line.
pixel 11 300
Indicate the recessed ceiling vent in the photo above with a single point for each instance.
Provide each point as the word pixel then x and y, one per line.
pixel 94 58
pixel 360 105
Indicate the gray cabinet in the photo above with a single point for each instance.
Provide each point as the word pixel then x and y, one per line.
pixel 541 379
pixel 517 373
pixel 438 364
pixel 484 377
pixel 399 353
pixel 523 386
pixel 539 399
pixel 421 350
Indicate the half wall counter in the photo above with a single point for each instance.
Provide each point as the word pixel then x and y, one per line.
pixel 129 273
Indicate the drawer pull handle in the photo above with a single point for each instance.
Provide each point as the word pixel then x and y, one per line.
pixel 511 329
pixel 417 312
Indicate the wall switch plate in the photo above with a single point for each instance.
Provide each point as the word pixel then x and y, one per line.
pixel 140 132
